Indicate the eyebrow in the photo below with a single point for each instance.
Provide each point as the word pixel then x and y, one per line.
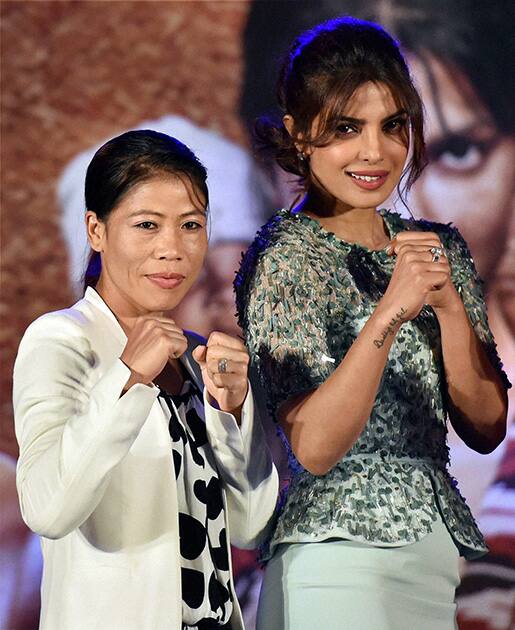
pixel 467 130
pixel 361 121
pixel 161 214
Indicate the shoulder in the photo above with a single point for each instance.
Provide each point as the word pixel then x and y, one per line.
pixel 447 232
pixel 282 243
pixel 69 326
pixel 68 321
pixel 464 271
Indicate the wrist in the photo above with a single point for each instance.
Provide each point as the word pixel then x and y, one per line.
pixel 390 314
pixel 451 307
pixel 134 378
pixel 234 411
pixel 450 312
pixel 384 324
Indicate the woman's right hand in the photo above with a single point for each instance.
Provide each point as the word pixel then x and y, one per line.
pixel 152 341
pixel 416 275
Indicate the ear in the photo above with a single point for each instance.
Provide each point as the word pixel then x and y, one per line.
pixel 289 123
pixel 95 229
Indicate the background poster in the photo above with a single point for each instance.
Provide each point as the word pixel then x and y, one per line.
pixel 74 73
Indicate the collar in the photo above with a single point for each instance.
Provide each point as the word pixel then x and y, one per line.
pixel 93 297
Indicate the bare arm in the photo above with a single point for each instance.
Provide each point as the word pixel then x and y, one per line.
pixel 477 399
pixel 476 384
pixel 476 394
pixel 322 425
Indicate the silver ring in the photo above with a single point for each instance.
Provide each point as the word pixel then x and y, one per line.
pixel 222 366
pixel 437 253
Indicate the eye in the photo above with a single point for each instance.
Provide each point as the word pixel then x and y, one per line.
pixel 459 153
pixel 146 225
pixel 345 129
pixel 192 226
pixel 395 126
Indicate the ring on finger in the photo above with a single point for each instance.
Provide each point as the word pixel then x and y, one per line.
pixel 437 253
pixel 222 366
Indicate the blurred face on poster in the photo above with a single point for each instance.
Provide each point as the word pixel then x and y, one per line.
pixel 210 303
pixel 470 178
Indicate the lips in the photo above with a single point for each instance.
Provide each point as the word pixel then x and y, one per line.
pixel 166 280
pixel 368 180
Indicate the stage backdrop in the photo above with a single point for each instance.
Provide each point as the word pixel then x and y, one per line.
pixel 75 73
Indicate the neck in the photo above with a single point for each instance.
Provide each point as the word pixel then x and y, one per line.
pixel 363 226
pixel 124 310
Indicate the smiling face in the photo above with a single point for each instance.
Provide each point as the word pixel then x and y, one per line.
pixel 362 165
pixel 152 247
pixel 470 178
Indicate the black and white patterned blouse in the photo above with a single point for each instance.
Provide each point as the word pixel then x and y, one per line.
pixel 205 576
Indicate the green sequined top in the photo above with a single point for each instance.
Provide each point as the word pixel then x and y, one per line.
pixel 303 296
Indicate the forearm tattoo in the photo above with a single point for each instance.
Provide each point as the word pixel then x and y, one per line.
pixel 390 329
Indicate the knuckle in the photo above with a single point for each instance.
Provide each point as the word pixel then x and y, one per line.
pixel 214 338
pixel 243 357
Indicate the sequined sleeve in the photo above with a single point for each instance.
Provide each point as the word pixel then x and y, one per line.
pixel 284 325
pixel 470 287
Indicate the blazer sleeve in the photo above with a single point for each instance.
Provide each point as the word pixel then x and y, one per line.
pixel 72 424
pixel 246 469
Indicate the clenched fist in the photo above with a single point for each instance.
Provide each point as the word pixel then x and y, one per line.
pixel 151 343
pixel 224 363
pixel 420 277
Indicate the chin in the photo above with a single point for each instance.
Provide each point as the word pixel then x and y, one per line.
pixel 370 200
pixel 160 303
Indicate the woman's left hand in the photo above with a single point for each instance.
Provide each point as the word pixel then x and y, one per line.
pixel 427 246
pixel 224 362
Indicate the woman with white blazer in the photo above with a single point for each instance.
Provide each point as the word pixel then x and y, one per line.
pixel 139 449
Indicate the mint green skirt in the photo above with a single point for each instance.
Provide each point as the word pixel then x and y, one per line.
pixel 344 585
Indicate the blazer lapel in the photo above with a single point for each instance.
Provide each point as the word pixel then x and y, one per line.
pixel 187 359
pixel 189 362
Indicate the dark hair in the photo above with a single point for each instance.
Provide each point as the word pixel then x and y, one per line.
pixel 322 70
pixel 471 36
pixel 130 159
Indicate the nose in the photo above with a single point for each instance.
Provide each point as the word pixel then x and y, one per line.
pixel 371 149
pixel 167 245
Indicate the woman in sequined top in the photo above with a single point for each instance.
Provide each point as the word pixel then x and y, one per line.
pixel 369 332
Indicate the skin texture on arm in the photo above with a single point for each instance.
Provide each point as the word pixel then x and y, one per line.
pixel 322 411
pixel 322 426
pixel 323 423
pixel 476 385
pixel 476 397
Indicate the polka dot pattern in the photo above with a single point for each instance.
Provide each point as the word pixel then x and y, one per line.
pixel 203 539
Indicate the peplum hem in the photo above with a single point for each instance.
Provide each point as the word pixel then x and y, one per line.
pixel 382 502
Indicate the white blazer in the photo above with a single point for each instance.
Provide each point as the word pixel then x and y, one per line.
pixel 96 481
